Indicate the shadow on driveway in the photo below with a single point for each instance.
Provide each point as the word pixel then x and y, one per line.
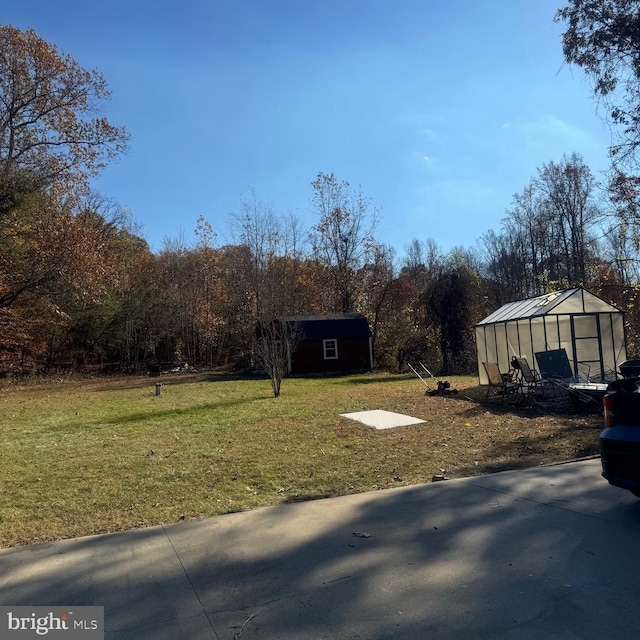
pixel 542 553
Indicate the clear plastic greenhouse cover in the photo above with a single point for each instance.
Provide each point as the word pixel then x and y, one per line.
pixel 588 328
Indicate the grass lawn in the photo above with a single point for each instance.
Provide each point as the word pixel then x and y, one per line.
pixel 88 456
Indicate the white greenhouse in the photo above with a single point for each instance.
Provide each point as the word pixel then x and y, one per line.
pixel 590 330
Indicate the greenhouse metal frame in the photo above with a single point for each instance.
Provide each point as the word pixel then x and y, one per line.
pixel 590 330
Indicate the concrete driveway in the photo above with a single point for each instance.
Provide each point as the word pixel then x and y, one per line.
pixel 551 552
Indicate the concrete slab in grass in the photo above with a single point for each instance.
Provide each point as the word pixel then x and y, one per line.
pixel 379 419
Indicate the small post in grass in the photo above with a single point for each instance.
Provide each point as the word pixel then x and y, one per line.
pixel 158 388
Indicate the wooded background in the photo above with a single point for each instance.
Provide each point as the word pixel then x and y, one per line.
pixel 80 288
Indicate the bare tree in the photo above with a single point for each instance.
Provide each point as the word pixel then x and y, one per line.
pixel 275 249
pixel 505 266
pixel 549 235
pixel 343 238
pixel 276 340
pixel 568 190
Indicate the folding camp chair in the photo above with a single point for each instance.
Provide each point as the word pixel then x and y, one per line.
pixel 501 384
pixel 529 379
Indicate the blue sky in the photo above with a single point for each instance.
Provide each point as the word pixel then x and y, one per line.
pixel 439 111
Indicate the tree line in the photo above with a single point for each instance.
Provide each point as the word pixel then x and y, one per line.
pixel 81 289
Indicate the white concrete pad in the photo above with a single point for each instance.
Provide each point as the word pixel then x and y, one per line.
pixel 379 419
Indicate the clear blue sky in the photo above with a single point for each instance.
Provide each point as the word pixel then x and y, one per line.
pixel 439 110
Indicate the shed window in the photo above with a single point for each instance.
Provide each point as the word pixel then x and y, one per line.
pixel 330 348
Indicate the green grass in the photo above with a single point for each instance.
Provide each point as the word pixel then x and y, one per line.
pixel 89 456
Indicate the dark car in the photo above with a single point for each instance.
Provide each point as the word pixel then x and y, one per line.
pixel 620 441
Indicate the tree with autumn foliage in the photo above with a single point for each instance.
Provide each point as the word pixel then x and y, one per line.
pixel 603 38
pixel 51 142
pixel 49 130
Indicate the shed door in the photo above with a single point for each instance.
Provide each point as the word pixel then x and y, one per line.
pixel 587 346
